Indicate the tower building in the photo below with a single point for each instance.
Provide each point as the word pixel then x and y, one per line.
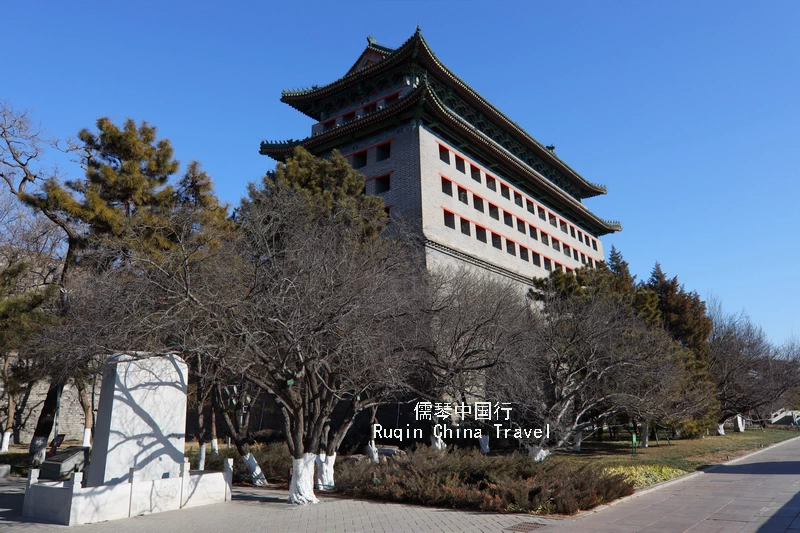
pixel 481 189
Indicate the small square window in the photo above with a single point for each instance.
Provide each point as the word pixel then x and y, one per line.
pixel 349 117
pixel 567 251
pixel 447 187
pixel 371 108
pixel 475 172
pixel 533 232
pixel 383 184
pixel 444 154
pixel 504 192
pixel 518 199
pixel 360 159
pixel 542 213
pixel 556 245
pixel 383 152
pixel 511 247
pixel 462 195
pixel 389 100
pixel 460 165
pixel 563 226
pixel 326 126
pixel 575 254
pixel 580 236
pixel 520 225
pixel 508 219
pixel 594 244
pixel 545 239
pixel 477 202
pixel 536 258
pixel 530 206
pixel 557 265
pixel 572 231
pixel 547 265
pixel 497 242
pixel 523 253
pixel 491 183
pixel 449 220
pixel 553 220
pixel 465 226
pixel 493 212
pixel 480 233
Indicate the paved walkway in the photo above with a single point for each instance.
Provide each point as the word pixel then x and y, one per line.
pixel 756 494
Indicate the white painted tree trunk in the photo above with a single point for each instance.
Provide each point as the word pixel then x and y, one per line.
pixel 721 429
pixel 645 434
pixel 437 443
pixel 739 424
pixel 87 437
pixel 256 475
pixel 324 475
pixel 301 489
pixel 201 457
pixel 214 446
pixel 483 441
pixel 372 452
pixel 577 441
pixel 39 445
pixel 538 454
pixel 6 442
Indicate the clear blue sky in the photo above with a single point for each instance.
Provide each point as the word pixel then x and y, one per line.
pixel 689 112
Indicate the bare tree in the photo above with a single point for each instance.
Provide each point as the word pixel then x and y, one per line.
pixel 467 322
pixel 750 373
pixel 584 361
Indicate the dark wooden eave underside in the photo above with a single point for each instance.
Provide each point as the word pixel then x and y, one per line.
pixel 417 49
pixel 423 104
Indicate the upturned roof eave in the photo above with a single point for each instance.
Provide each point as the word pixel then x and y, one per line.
pixel 425 96
pixel 299 100
pixel 281 149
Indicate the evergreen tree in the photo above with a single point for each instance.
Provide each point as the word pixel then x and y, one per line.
pixel 683 315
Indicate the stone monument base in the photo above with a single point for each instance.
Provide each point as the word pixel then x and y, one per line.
pixel 71 504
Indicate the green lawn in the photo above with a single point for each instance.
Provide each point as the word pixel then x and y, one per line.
pixel 663 461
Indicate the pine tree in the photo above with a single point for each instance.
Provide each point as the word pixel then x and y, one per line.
pixel 683 314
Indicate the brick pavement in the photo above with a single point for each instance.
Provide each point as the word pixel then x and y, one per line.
pixel 759 493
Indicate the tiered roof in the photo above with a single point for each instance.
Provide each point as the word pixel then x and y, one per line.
pixel 486 130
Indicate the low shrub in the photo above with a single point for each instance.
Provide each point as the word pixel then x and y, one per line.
pixel 644 475
pixel 467 479
pixel 273 458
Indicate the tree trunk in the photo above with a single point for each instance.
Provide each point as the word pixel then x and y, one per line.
pixel 645 434
pixel 324 474
pixel 539 454
pixel 738 425
pixel 483 442
pixel 372 452
pixel 88 421
pixel 301 488
pixel 214 441
pixel 38 447
pixel 239 433
pixel 577 441
pixel 436 442
pixel 8 430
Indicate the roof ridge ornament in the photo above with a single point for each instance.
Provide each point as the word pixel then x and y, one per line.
pixel 371 39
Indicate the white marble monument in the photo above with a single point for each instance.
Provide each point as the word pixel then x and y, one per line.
pixel 141 419
pixel 137 463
